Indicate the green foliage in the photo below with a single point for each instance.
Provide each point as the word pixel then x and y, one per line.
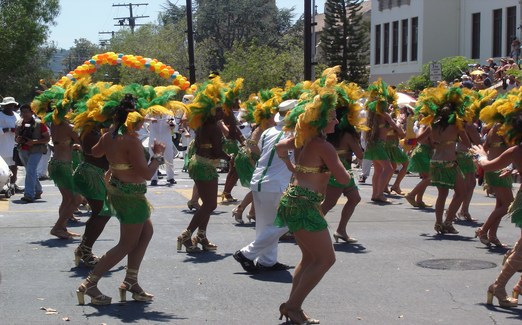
pixel 81 51
pixel 226 23
pixel 263 67
pixel 344 40
pixel 172 14
pixel 24 26
pixel 452 68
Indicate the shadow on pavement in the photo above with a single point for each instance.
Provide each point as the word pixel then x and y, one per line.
pixel 82 272
pixel 56 242
pixel 132 312
pixel 350 248
pixel 272 276
pixel 440 237
pixel 203 257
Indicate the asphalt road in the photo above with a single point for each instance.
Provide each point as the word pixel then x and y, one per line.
pixel 379 280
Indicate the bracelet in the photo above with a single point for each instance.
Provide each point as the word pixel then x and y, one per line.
pixel 159 158
pixel 482 158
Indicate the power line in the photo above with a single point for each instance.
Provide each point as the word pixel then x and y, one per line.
pixel 131 20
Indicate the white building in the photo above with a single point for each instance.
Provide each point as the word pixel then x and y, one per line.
pixel 406 34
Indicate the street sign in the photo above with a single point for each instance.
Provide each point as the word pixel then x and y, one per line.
pixel 435 72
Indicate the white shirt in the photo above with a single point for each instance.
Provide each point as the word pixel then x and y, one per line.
pixel 7 140
pixel 271 173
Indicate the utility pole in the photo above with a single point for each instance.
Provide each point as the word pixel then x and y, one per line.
pixel 307 40
pixel 131 19
pixel 106 41
pixel 190 41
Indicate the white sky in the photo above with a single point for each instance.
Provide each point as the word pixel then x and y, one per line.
pixel 86 18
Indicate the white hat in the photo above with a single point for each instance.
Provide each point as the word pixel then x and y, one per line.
pixel 464 76
pixel 187 99
pixel 8 100
pixel 285 106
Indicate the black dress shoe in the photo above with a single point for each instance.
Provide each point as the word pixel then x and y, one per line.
pixel 246 264
pixel 171 181
pixel 276 267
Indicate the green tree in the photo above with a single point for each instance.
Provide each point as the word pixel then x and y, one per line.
pixel 172 13
pixel 344 39
pixel 82 50
pixel 223 24
pixel 263 67
pixel 25 26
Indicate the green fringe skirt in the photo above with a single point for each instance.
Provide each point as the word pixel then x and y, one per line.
pixel 466 163
pixel 245 163
pixel 396 154
pixel 231 147
pixel 420 159
pixel 127 201
pixel 61 172
pixel 300 208
pixel 202 169
pixel 493 179
pixel 351 183
pixel 376 151
pixel 515 210
pixel 89 182
pixel 444 173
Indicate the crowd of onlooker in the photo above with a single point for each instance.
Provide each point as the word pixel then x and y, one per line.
pixel 492 74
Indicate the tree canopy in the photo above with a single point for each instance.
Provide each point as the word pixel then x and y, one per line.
pixel 23 55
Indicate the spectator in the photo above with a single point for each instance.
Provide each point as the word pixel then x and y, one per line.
pixel 8 118
pixel 515 49
pixel 511 82
pixel 512 64
pixel 466 82
pixel 491 63
pixel 32 137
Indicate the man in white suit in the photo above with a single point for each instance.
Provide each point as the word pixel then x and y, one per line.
pixel 270 179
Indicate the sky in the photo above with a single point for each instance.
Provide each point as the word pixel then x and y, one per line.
pixel 85 19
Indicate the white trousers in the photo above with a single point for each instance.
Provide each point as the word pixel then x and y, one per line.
pixel 264 247
pixel 366 167
pixel 169 158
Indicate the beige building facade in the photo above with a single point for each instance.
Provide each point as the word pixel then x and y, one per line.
pixel 406 34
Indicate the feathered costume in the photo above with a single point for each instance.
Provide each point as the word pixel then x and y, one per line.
pixel 445 105
pixel 507 110
pixel 380 97
pixel 208 96
pixel 299 207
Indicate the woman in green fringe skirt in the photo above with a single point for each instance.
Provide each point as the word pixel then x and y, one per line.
pixel 61 172
pixel 300 206
pixel 513 259
pixel 501 186
pixel 126 197
pixel 420 163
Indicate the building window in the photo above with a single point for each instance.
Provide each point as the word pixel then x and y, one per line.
pixel 377 44
pixel 475 36
pixel 511 26
pixel 386 56
pixel 497 33
pixel 395 42
pixel 414 38
pixel 404 45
